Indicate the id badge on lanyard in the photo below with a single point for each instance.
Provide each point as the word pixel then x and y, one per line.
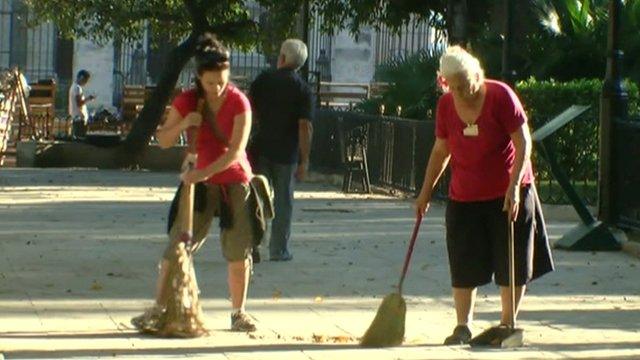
pixel 470 130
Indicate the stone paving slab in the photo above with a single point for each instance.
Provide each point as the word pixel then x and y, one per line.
pixel 78 250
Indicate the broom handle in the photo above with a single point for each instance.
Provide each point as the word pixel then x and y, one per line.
pixel 188 196
pixel 512 272
pixel 407 258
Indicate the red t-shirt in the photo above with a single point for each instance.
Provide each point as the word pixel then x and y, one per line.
pixel 481 165
pixel 208 147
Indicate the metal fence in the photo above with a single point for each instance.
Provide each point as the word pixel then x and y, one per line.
pixel 140 62
pixel 33 50
pixel 398 150
pixel 416 35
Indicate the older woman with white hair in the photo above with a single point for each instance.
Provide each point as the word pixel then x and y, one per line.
pixel 482 132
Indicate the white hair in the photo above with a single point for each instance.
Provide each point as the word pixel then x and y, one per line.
pixel 294 52
pixel 457 60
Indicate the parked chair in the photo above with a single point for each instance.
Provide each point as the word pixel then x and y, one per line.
pixel 42 109
pixel 353 148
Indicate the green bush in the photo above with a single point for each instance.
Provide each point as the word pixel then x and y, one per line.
pixel 576 144
pixel 413 86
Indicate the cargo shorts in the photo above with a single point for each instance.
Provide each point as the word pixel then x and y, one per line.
pixel 236 238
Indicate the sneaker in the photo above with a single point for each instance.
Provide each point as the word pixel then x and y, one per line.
pixel 242 322
pixel 461 335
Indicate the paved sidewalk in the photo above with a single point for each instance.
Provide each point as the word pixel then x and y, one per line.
pixel 78 251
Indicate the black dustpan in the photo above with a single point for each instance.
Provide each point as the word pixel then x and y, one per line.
pixel 504 336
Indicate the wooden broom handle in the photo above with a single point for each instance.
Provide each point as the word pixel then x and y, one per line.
pixel 187 198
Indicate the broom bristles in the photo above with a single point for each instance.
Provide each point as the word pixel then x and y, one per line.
pixel 387 328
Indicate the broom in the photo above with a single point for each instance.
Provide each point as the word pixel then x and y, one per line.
pixel 387 328
pixel 183 316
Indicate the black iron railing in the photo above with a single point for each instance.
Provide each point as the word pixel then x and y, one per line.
pixel 398 150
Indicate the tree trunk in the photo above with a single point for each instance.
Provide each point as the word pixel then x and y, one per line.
pixel 147 121
pixel 457 20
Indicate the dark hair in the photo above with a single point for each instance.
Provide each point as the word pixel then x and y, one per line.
pixel 211 54
pixel 83 74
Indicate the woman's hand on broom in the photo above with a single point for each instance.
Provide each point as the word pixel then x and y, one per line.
pixel 193 119
pixel 193 176
pixel 422 204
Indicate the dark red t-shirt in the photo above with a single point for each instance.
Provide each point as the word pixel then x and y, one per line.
pixel 209 148
pixel 481 165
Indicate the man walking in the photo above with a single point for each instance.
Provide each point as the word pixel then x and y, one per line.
pixel 283 109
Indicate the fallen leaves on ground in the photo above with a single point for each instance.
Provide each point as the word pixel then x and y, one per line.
pixel 339 339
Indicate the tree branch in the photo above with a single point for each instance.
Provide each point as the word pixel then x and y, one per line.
pixel 232 28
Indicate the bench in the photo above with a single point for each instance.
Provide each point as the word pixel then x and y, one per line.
pixel 133 100
pixel 132 97
pixel 342 95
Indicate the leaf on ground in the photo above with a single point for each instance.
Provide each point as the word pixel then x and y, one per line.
pixel 276 294
pixel 319 338
pixel 96 286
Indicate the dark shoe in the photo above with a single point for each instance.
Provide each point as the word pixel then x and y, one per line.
pixel 461 335
pixel 242 322
pixel 287 257
pixel 255 255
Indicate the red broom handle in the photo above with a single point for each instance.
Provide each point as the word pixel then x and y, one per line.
pixel 407 258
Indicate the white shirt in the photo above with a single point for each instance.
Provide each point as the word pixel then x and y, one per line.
pixel 74 111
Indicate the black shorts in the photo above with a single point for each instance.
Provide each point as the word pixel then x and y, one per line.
pixel 477 241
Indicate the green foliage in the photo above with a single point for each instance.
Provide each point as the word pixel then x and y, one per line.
pixel 172 20
pixel 568 41
pixel 354 14
pixel 103 20
pixel 576 144
pixel 412 86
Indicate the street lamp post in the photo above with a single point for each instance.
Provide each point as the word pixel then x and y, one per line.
pixel 507 45
pixel 599 235
pixel 305 36
pixel 613 107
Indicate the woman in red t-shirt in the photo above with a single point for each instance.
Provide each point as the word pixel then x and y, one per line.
pixel 222 115
pixel 482 132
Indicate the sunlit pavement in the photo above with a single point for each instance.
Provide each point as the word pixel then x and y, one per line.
pixel 79 250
